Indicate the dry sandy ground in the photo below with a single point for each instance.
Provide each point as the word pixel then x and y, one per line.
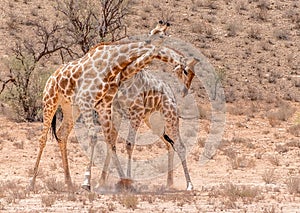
pixel 256 169
pixel 255 44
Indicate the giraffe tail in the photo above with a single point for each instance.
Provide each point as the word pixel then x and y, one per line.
pixel 167 138
pixel 53 127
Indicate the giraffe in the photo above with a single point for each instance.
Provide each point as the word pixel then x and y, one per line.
pixel 139 97
pixel 87 84
pixel 158 93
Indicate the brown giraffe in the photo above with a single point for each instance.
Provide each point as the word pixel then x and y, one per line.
pixel 87 84
pixel 160 95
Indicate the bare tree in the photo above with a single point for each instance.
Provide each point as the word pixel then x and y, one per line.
pixel 82 24
pixel 90 22
pixel 24 83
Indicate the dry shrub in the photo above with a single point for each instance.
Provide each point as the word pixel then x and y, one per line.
pixel 55 186
pixel 283 113
pixel 293 184
pixel 129 201
pixel 48 200
pixel 245 193
pixel 148 198
pixel 19 144
pixel 293 143
pixel 281 34
pixel 111 207
pixel 268 176
pixel 241 162
pixel 236 110
pixel 281 148
pixel 295 130
pixel 254 33
pixel 233 28
pixel 12 191
pixel 274 160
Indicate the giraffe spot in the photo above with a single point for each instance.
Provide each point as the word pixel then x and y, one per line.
pixel 67 73
pixel 106 124
pixel 124 49
pixel 100 64
pixel 108 98
pixel 90 74
pixel 77 73
pixel 70 89
pixel 96 55
pixel 133 46
pixel 105 56
pixel 63 83
pixel 87 65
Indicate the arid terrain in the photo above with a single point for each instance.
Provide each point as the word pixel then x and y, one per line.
pixel 254 47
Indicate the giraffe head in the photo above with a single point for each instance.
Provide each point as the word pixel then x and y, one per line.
pixel 160 28
pixel 186 74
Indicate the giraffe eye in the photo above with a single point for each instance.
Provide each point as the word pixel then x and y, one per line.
pixel 160 22
pixel 168 24
pixel 185 72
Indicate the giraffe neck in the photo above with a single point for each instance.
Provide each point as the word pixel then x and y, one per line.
pixel 164 54
pixel 121 56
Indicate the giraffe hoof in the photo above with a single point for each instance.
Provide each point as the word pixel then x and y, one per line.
pixel 189 187
pixel 86 187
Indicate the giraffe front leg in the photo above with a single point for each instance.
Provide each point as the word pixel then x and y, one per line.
pixel 135 122
pixel 88 173
pixel 110 135
pixel 92 140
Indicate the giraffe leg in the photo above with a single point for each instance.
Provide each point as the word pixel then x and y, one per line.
pixel 110 135
pixel 92 135
pixel 104 110
pixel 104 173
pixel 181 151
pixel 48 113
pixel 170 166
pixel 63 134
pixel 172 136
pixel 137 114
pixel 134 125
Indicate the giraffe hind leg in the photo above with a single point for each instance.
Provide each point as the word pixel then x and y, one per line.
pixel 181 151
pixel 62 138
pixel 170 144
pixel 48 114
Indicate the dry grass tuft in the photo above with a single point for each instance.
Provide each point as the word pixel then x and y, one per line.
pixel 295 130
pixel 293 184
pixel 233 193
pixel 283 113
pixel 274 160
pixel 48 200
pixel 268 176
pixel 129 201
pixel 55 186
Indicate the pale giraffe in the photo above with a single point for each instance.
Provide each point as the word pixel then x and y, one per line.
pixel 137 99
pixel 87 84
